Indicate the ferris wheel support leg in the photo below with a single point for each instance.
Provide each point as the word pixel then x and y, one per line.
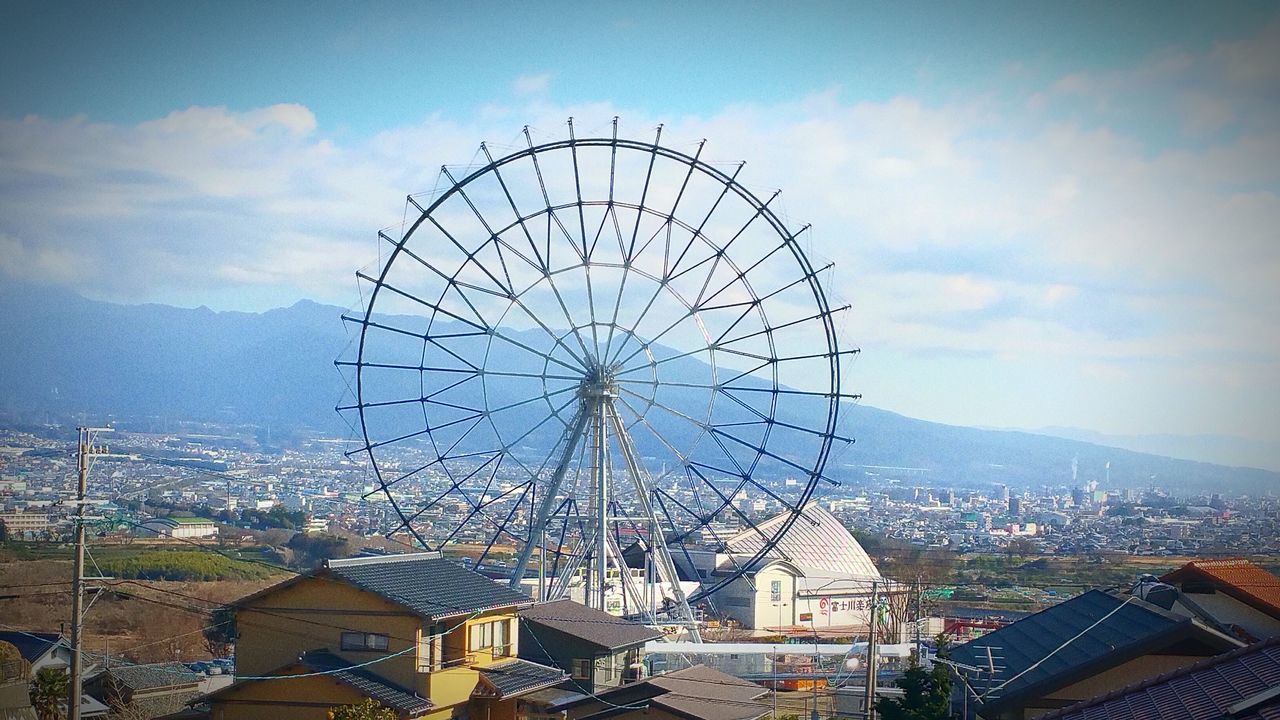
pixel 572 435
pixel 599 411
pixel 657 542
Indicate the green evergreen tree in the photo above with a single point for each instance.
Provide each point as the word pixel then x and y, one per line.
pixel 48 692
pixel 926 694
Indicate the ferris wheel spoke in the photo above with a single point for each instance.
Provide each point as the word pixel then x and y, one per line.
pixel 617 301
pixel 679 456
pixel 532 351
pixel 478 509
pixel 644 193
pixel 822 315
pixel 439 459
pixel 758 213
pixel 509 446
pixel 724 192
pixel 551 216
pixel 684 185
pixel 666 408
pixel 435 307
pixel 526 401
pixel 681 287
pixel 518 302
pixel 541 264
pixel 506 522
pixel 577 187
pixel 452 280
pixel 505 287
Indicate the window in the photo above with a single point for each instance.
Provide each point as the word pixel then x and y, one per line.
pixel 493 635
pixel 430 649
pixel 364 642
pixel 775 591
pixel 582 669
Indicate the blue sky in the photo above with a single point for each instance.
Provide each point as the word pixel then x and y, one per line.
pixel 1043 214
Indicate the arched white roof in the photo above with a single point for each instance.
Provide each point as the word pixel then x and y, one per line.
pixel 816 542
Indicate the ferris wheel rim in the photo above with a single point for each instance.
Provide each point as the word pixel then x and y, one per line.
pixel 784 235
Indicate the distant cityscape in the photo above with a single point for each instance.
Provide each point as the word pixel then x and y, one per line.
pixel 209 472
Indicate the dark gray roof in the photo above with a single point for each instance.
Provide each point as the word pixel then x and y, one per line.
pixel 148 677
pixel 386 693
pixel 517 677
pixel 427 584
pixel 1242 684
pixel 1111 628
pixel 697 693
pixel 588 624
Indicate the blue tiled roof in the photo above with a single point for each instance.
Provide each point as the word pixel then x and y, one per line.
pixel 1016 649
pixel 427 584
pixel 386 693
pixel 30 644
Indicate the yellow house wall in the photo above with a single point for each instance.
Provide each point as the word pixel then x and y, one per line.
pixel 455 683
pixel 287 699
pixel 274 630
pixel 311 614
pixel 1117 677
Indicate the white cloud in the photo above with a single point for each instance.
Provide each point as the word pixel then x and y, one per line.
pixel 527 85
pixel 979 228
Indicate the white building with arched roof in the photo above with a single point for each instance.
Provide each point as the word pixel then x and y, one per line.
pixel 816 579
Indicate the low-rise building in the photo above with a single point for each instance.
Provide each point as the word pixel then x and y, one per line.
pixel 1233 592
pixel 1088 646
pixel 417 633
pixel 598 650
pixel 181 527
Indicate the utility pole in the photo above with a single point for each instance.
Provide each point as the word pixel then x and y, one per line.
pixel 869 692
pixel 919 620
pixel 85 452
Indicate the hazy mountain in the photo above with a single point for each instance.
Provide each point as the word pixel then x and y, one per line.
pixel 63 354
pixel 1222 449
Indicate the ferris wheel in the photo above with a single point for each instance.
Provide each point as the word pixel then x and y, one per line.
pixel 601 357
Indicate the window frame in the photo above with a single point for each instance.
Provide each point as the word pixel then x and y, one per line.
pixel 368 642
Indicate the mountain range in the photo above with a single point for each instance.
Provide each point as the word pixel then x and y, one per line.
pixel 66 356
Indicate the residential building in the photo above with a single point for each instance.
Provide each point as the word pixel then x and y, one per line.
pixel 15 678
pixel 419 634
pixel 42 650
pixel 695 693
pixel 141 692
pixel 181 527
pixel 598 650
pixel 1243 684
pixel 1088 646
pixel 1235 593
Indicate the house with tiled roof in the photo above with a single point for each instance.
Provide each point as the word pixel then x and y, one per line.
pixel 43 650
pixel 1243 684
pixel 1234 592
pixel 144 691
pixel 417 633
pixel 1079 649
pixel 598 650
pixel 694 693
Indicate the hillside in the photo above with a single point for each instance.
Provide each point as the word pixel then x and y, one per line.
pixel 64 355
